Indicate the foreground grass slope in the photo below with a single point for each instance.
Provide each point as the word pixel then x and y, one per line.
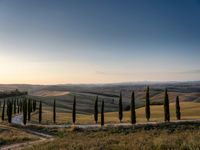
pixel 189 110
pixel 10 135
pixel 184 136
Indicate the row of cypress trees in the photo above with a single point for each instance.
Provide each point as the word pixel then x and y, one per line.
pixel 166 106
pixel 74 111
pixel 18 105
pixel 13 107
pixel 147 107
pixel 132 109
pixel 28 107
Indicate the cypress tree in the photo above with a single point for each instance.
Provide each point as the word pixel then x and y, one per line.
pixel 96 110
pixel 54 111
pixel 9 111
pixel 24 105
pixel 40 112
pixel 21 106
pixel 29 109
pixel 102 113
pixel 15 108
pixel 166 107
pixel 3 111
pixel 133 113
pixel 147 106
pixel 178 112
pixel 18 106
pixel 31 105
pixel 17 101
pixel 34 105
pixel 7 107
pixel 74 111
pixel 120 108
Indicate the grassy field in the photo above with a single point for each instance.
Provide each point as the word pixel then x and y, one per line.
pixel 86 94
pixel 85 101
pixel 183 136
pixel 189 110
pixel 10 135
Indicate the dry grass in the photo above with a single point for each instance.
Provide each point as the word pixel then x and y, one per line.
pixel 9 135
pixel 174 136
pixel 50 93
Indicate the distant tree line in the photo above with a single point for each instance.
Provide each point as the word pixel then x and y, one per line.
pixel 15 106
pixel 13 93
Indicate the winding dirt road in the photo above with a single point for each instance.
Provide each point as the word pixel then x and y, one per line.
pixel 19 146
pixel 42 137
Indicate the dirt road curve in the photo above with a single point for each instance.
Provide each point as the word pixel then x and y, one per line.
pixel 18 146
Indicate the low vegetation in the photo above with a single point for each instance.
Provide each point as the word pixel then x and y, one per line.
pixel 9 135
pixel 183 136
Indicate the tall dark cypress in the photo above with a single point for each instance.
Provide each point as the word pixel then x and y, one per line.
pixel 29 109
pixel 9 111
pixel 178 109
pixel 21 105
pixel 166 107
pixel 8 108
pixel 18 106
pixel 133 113
pixel 17 101
pixel 120 107
pixel 102 113
pixel 54 111
pixel 31 105
pixel 15 106
pixel 3 111
pixel 24 107
pixel 147 107
pixel 96 110
pixel 74 111
pixel 40 112
pixel 34 105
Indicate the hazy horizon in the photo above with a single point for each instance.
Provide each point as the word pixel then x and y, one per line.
pixel 92 42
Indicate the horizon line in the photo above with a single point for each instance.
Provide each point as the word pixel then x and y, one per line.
pixel 106 83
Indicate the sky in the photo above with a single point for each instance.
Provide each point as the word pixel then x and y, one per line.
pixel 99 41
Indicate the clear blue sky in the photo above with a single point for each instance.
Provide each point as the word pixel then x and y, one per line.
pixel 99 41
